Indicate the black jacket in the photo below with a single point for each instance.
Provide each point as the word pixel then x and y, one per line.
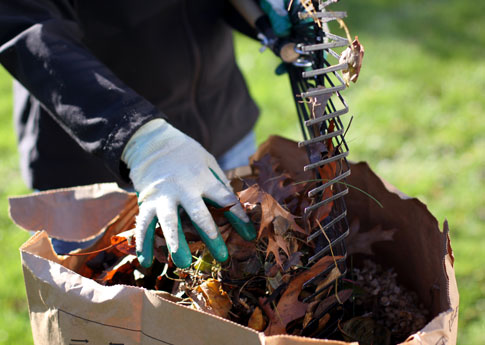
pixel 92 72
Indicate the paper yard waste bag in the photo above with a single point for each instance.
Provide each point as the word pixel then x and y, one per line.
pixel 67 308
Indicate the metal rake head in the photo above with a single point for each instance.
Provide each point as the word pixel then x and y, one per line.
pixel 317 85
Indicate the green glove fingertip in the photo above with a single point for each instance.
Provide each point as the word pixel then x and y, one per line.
pixel 245 229
pixel 217 247
pixel 145 257
pixel 279 19
pixel 182 258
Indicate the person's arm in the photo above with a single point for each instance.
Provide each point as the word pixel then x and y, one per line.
pixel 41 46
pixel 271 20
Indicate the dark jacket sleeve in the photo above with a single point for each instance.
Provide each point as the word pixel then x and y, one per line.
pixel 237 22
pixel 41 46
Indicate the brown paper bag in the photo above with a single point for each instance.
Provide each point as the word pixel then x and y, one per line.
pixel 67 308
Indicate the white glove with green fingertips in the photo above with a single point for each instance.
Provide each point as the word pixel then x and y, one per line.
pixel 171 171
pixel 277 12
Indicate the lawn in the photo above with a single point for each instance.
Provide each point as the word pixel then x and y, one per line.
pixel 418 120
pixel 14 319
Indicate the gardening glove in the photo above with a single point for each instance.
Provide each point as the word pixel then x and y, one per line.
pixel 275 27
pixel 171 171
pixel 277 12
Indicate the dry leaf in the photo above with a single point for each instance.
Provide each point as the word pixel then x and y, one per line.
pixel 280 225
pixel 218 213
pixel 276 242
pixel 256 321
pixel 278 185
pixel 353 56
pixel 205 262
pixel 125 266
pixel 196 246
pixel 293 260
pixel 366 331
pixel 123 244
pixel 327 172
pixel 270 208
pixel 199 302
pixel 160 247
pixel 320 314
pixel 309 313
pixel 289 308
pixel 333 275
pixel 361 242
pixel 238 248
pixel 322 307
pixel 216 299
pixel 280 149
pixel 322 322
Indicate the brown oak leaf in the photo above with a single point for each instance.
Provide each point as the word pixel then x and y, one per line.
pixel 256 320
pixel 279 185
pixel 289 307
pixel 270 208
pixel 276 242
pixel 361 242
pixel 217 301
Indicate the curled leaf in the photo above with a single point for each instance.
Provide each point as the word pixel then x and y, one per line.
pixel 333 275
pixel 256 321
pixel 359 242
pixel 239 248
pixel 216 299
pixel 123 244
pixel 289 308
pixel 366 331
pixel 124 267
pixel 204 262
pixel 275 243
pixel 322 322
pixel 353 57
pixel 270 208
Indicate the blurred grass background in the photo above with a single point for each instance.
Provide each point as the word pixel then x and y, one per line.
pixel 418 112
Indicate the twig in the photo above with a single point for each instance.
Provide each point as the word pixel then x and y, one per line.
pixel 97 251
pixel 329 242
pixel 344 26
pixel 334 260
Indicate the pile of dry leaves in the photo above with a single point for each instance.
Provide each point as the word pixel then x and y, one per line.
pixel 262 285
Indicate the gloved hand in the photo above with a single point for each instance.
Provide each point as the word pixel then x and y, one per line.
pixel 277 11
pixel 275 27
pixel 170 171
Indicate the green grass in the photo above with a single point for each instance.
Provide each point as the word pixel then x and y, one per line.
pixel 418 120
pixel 14 318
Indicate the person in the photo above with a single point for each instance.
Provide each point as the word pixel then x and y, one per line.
pixel 145 95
